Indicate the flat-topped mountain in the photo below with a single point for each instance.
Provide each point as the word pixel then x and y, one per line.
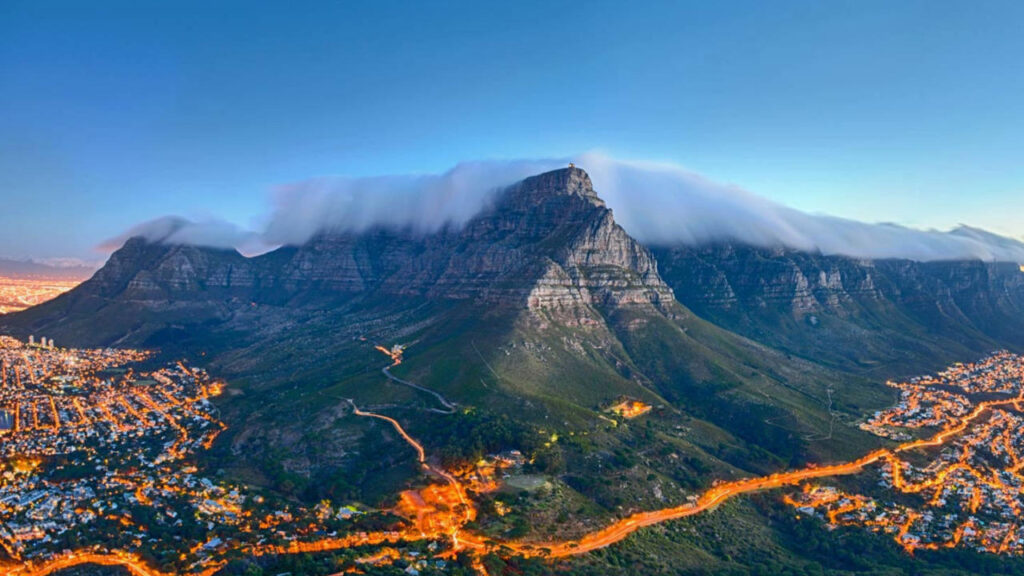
pixel 541 304
pixel 533 322
pixel 547 242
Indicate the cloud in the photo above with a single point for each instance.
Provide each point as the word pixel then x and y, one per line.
pixel 659 204
pixel 422 203
pixel 69 268
pixel 211 233
pixel 67 263
pixel 664 204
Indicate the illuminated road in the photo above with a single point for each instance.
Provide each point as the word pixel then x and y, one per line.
pixel 135 565
pixel 468 511
pixel 420 454
pixel 722 492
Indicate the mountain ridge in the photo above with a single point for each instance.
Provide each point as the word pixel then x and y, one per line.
pixel 548 241
pixel 851 311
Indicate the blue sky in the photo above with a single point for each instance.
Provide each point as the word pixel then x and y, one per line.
pixel 117 112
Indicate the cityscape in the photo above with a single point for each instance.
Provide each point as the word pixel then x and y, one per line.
pixel 93 446
pixel 21 292
pixel 962 489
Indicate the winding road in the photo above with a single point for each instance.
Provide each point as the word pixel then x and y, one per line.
pixel 395 353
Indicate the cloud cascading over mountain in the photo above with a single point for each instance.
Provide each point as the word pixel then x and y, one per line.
pixel 660 204
pixel 212 233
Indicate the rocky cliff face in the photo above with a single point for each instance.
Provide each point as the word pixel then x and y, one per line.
pixel 730 277
pixel 814 304
pixel 548 242
pixel 548 245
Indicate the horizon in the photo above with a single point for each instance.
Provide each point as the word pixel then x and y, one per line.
pixel 700 213
pixel 115 115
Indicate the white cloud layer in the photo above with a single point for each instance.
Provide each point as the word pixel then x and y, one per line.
pixel 659 204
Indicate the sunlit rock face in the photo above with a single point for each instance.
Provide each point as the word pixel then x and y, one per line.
pixel 550 242
pixel 546 245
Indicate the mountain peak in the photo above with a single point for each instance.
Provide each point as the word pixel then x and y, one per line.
pixel 570 181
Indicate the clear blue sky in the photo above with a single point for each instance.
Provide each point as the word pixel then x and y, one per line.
pixel 116 112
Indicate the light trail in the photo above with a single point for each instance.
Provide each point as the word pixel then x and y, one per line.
pixel 421 456
pixel 113 419
pixel 134 412
pixel 147 401
pixel 420 453
pixel 133 563
pixel 724 491
pixel 56 415
pixel 978 472
pixel 83 419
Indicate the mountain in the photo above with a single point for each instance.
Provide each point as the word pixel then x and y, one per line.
pixel 550 244
pixel 533 320
pixel 849 312
pixel 999 243
pixel 541 310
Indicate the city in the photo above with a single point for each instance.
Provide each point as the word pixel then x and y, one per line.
pixel 964 491
pixel 95 468
pixel 93 448
pixel 19 293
